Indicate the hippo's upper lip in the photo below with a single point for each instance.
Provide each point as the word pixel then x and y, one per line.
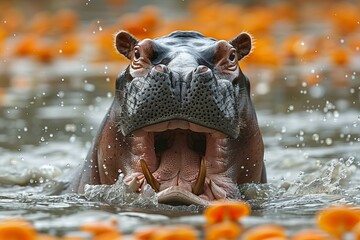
pixel 182 158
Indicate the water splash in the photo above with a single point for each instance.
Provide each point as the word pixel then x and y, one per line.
pixel 119 194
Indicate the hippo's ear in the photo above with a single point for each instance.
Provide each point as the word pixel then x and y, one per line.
pixel 125 43
pixel 242 44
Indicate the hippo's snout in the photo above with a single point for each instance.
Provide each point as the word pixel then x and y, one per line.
pixel 195 96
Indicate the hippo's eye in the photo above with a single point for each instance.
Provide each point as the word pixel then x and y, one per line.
pixel 136 53
pixel 232 56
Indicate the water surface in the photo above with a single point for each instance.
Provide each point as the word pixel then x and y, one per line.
pixel 312 147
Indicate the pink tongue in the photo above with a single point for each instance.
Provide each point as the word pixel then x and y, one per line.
pixel 179 165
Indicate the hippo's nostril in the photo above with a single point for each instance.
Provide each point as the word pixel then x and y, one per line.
pixel 201 69
pixel 161 68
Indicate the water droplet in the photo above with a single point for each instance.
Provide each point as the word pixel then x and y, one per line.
pixel 315 137
pixel 70 127
pixel 72 138
pixel 60 94
pixel 349 161
pixel 328 141
pixel 89 87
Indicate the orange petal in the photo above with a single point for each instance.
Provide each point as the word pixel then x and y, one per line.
pixel 340 55
pixel 17 229
pixel 145 234
pixel 48 237
pixel 66 20
pixel 167 233
pixel 108 236
pixel 311 234
pixel 99 228
pixel 226 210
pixel 72 238
pixel 177 233
pixel 356 231
pixel 338 220
pixel 223 230
pixel 265 232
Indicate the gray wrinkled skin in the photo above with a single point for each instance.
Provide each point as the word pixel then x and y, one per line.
pixel 198 98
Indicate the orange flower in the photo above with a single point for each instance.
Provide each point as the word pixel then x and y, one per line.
pixel 102 230
pixel 265 232
pixel 311 234
pixel 226 210
pixel 26 45
pixel 44 52
pixel 338 220
pixel 223 230
pixel 340 56
pixel 108 236
pixel 167 233
pixel 68 45
pixel 47 237
pixel 17 229
pixel 41 23
pixel 66 20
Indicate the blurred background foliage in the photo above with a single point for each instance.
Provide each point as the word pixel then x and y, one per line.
pixel 305 52
pixel 286 33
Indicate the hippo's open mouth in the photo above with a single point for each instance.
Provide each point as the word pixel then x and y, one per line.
pixel 182 161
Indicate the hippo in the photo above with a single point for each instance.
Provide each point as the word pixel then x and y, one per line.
pixel 182 121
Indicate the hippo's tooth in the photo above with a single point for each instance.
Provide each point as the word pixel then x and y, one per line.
pixel 198 186
pixel 136 184
pixel 150 179
pixel 216 191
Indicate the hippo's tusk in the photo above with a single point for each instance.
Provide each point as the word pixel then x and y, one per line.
pixel 198 186
pixel 150 179
pixel 136 184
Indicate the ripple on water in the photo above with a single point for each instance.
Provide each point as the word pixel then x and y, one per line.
pixel 302 180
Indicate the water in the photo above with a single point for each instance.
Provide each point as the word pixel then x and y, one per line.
pixel 47 125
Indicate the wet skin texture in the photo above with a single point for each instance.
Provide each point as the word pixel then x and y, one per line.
pixel 182 121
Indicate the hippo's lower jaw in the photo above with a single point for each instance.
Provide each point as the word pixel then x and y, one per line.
pixel 182 161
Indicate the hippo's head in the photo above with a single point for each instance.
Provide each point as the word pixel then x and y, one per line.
pixel 184 119
pixel 182 79
pixel 185 102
